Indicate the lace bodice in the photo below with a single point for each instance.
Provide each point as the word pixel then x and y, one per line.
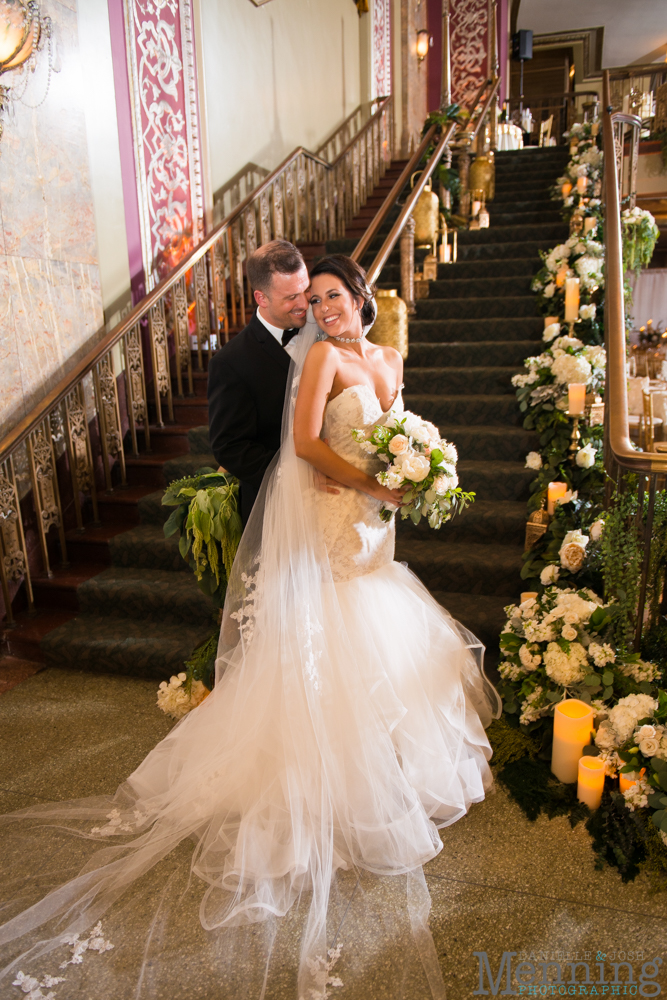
pixel 357 541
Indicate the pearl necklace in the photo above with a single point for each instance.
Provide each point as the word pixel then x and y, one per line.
pixel 349 340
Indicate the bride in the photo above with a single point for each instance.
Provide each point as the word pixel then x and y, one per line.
pixel 347 720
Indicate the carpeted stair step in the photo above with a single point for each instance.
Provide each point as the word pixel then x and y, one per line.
pixel 519 267
pixel 151 509
pixel 452 381
pixel 462 409
pixel 492 443
pixel 446 331
pixel 482 521
pixel 483 287
pixel 188 465
pixel 483 614
pixel 481 309
pixel 199 442
pixel 504 249
pixel 146 595
pixel 145 547
pixel 552 231
pixel 116 645
pixel 538 216
pixel 462 354
pixel 463 567
pixel 495 480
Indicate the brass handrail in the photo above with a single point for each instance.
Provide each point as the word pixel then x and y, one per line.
pixel 616 409
pixel 393 195
pixel 143 308
pixel 340 128
pixel 398 227
pixel 396 230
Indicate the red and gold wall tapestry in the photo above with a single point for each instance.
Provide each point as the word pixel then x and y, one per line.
pixel 381 42
pixel 469 43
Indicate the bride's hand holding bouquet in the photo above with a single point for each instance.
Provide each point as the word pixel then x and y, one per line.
pixel 420 469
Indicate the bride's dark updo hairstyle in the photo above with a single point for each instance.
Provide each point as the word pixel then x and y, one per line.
pixel 353 277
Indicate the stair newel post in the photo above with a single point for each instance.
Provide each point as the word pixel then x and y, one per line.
pixel 45 493
pixel 408 265
pixel 13 552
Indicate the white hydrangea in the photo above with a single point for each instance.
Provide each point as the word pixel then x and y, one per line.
pixel 625 715
pixel 640 671
pixel 587 311
pixel 564 342
pixel 601 655
pixel 596 356
pixel 534 460
pixel 563 668
pixel 570 368
pixel 589 266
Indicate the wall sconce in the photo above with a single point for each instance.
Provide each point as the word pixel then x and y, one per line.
pixel 22 35
pixel 423 42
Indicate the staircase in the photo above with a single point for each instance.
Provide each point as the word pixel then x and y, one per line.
pixel 466 341
pixel 129 603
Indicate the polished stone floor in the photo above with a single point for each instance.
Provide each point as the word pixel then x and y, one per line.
pixel 500 884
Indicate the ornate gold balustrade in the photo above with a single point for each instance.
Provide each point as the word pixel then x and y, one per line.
pixel 73 443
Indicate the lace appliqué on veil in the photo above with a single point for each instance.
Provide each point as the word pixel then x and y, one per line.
pixel 116 823
pixel 245 615
pixel 320 970
pixel 94 942
pixel 307 629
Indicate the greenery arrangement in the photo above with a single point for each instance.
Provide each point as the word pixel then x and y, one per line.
pixel 570 641
pixel 208 523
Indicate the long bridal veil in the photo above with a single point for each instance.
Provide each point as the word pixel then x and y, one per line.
pixel 286 775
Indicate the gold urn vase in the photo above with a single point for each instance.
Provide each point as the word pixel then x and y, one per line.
pixel 426 214
pixel 391 325
pixel 482 176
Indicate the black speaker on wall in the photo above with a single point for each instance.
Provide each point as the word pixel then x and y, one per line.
pixel 522 45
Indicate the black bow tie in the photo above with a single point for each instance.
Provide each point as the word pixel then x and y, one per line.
pixel 287 336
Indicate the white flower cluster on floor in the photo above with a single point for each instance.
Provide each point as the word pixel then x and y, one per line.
pixel 78 947
pixel 174 698
pixel 552 650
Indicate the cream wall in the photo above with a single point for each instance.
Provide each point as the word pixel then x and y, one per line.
pixel 50 295
pixel 277 76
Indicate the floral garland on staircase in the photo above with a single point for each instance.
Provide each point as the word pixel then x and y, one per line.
pixel 568 641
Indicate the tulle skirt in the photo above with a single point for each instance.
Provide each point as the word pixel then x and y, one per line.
pixel 279 795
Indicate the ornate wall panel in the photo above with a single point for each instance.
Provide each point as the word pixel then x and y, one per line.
pixel 469 47
pixel 381 43
pixel 165 124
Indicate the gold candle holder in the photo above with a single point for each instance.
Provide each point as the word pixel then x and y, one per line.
pixel 575 436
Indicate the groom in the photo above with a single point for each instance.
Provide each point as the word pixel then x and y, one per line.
pixel 247 379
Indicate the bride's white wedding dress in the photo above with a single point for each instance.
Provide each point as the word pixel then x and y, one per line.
pixel 346 725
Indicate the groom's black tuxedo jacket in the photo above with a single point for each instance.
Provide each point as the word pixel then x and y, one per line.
pixel 246 391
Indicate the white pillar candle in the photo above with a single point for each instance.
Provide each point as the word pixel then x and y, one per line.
pixel 565 189
pixel 548 320
pixel 576 399
pixel 554 491
pixel 527 594
pixel 455 248
pixel 573 722
pixel 582 184
pixel 590 223
pixel 571 300
pixel 590 781
pixel 445 253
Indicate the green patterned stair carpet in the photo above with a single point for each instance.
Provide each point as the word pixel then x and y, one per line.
pixel 144 614
pixel 466 341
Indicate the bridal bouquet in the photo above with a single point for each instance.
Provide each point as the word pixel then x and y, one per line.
pixel 418 458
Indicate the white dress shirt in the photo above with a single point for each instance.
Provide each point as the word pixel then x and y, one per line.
pixel 276 332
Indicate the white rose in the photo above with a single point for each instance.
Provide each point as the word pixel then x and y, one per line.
pixel 550 332
pixel 569 201
pixel 416 468
pixel 572 556
pixel 399 444
pixel 585 457
pixel 533 460
pixel 549 290
pixel 568 368
pixel 596 529
pixel 441 485
pixel 567 497
pixel 649 747
pixel 549 575
pixel 587 312
pixel 645 733
pixel 569 633
pixel 571 618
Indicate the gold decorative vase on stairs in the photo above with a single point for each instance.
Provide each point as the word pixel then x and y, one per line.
pixel 391 326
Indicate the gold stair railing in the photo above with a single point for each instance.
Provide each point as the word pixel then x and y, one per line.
pixel 404 227
pixel 620 454
pixel 72 443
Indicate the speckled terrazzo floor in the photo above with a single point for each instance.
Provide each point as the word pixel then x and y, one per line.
pixel 500 884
